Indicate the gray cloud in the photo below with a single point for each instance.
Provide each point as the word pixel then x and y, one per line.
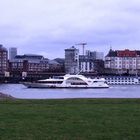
pixel 48 27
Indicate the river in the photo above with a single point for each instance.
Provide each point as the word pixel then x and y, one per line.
pixel 118 91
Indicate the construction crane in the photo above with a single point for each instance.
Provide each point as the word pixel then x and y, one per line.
pixel 83 45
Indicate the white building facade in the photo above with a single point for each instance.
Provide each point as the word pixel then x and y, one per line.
pixel 123 61
pixel 86 63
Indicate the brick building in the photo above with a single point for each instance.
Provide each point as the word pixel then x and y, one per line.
pixel 31 64
pixel 3 59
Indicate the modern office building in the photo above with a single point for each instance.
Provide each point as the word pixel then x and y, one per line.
pixel 95 55
pixel 99 55
pixel 91 54
pixel 91 61
pixel 72 60
pixel 123 61
pixel 12 53
pixel 3 59
pixel 86 63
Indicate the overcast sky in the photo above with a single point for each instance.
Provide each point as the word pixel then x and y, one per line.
pixel 47 27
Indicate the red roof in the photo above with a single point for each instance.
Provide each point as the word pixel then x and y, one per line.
pixel 126 53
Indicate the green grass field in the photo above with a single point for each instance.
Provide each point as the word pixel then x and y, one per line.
pixel 79 119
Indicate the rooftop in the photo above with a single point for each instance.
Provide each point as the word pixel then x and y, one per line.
pixel 123 53
pixel 29 56
pixel 2 48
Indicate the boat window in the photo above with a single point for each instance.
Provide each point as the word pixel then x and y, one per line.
pixel 79 83
pixel 74 78
pixel 76 81
pixel 58 77
pixel 51 82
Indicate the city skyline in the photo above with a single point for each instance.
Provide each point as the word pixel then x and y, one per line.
pixel 48 27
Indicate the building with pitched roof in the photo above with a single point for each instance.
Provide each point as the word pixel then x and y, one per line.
pixel 123 61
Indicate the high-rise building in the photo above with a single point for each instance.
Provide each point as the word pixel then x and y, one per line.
pixel 12 53
pixel 3 59
pixel 89 63
pixel 99 55
pixel 86 62
pixel 95 55
pixel 72 60
pixel 91 54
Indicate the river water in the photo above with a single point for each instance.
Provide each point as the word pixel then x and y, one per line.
pixel 118 91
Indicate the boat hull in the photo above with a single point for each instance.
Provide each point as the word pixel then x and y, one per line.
pixel 38 85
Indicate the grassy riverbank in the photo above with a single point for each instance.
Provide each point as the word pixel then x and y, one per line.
pixel 79 119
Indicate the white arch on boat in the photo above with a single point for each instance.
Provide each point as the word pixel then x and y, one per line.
pixel 78 77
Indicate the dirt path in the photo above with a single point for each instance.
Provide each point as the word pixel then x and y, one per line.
pixel 5 96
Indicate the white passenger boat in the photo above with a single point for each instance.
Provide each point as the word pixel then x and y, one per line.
pixel 68 81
